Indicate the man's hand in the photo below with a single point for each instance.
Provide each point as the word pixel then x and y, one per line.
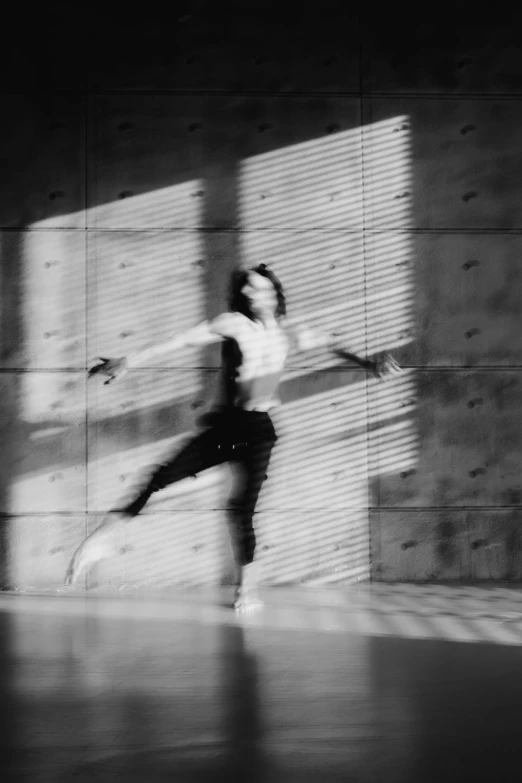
pixel 386 367
pixel 113 368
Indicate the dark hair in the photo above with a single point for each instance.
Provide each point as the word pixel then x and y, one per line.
pixel 239 304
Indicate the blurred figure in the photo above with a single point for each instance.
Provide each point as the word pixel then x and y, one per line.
pixel 256 339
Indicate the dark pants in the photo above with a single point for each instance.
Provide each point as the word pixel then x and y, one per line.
pixel 235 435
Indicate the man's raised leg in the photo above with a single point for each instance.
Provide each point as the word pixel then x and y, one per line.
pixel 202 452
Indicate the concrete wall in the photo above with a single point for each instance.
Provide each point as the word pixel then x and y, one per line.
pixel 377 168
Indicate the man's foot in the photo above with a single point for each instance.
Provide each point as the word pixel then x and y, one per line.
pixel 100 545
pixel 247 601
pixel 246 598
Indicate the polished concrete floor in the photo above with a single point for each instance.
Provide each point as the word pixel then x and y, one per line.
pixel 371 683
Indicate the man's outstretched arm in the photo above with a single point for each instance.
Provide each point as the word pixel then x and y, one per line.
pixel 203 334
pixel 382 366
pixel 306 338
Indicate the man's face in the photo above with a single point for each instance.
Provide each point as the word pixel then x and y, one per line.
pixel 261 294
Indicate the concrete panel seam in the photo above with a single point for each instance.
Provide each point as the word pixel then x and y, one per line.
pixel 438 509
pixel 335 231
pixel 325 94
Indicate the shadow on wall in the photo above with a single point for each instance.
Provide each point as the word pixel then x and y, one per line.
pixel 452 515
pixel 158 258
pixel 11 347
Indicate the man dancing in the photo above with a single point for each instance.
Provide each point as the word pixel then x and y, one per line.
pixel 256 338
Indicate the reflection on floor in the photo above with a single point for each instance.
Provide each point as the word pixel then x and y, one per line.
pixel 369 683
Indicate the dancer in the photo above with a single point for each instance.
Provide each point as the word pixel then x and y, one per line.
pixel 256 338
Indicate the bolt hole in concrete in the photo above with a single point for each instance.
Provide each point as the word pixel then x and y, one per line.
pixel 472 333
pixel 469 265
pixel 469 196
pixel 125 126
pixel 125 194
pixel 467 129
pixel 56 194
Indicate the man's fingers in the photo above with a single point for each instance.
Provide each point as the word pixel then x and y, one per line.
pixel 395 367
pixel 112 368
pixel 113 377
pixel 388 367
pixel 97 368
pixel 391 369
pixel 104 366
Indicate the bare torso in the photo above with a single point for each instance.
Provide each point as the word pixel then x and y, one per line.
pixel 254 356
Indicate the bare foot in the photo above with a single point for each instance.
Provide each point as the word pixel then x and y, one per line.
pixel 100 545
pixel 247 601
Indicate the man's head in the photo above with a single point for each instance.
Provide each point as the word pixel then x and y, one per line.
pixel 257 292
